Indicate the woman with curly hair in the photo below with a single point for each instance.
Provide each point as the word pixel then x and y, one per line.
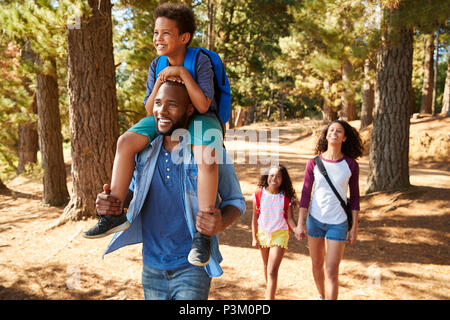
pixel 326 224
pixel 272 220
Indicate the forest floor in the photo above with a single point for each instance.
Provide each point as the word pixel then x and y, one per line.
pixel 402 250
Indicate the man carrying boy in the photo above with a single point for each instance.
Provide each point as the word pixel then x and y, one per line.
pixel 174 29
pixel 165 221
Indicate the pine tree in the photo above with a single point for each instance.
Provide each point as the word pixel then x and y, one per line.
pixel 389 150
pixel 93 107
pixel 35 26
pixel 331 39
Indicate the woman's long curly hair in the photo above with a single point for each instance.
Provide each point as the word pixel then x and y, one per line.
pixel 286 184
pixel 351 147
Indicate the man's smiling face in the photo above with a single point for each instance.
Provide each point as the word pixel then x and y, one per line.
pixel 172 108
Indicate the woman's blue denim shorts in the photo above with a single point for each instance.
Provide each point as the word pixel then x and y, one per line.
pixel 317 229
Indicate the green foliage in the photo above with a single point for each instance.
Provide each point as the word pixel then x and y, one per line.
pixel 277 53
pixel 32 33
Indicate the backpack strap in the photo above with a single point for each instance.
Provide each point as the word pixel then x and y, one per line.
pixel 323 171
pixel 190 62
pixel 287 201
pixel 258 194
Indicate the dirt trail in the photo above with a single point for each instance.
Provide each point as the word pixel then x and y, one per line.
pixel 402 252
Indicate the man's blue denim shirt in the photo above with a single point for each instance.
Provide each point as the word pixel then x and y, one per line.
pixel 229 191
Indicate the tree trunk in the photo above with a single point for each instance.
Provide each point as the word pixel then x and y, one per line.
pixel 211 23
pixel 446 98
pixel 389 149
pixel 50 138
pixel 93 108
pixel 28 135
pixel 251 115
pixel 368 97
pixel 428 75
pixel 436 73
pixel 240 118
pixel 28 141
pixel 348 97
pixel 231 121
pixel 328 113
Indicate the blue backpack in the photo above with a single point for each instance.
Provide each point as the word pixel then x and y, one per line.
pixel 222 94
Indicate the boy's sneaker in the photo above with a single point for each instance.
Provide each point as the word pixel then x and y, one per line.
pixel 200 252
pixel 106 225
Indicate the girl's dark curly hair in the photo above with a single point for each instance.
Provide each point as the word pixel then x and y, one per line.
pixel 351 147
pixel 181 14
pixel 286 183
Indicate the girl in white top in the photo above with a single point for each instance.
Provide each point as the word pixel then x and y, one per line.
pixel 338 146
pixel 272 219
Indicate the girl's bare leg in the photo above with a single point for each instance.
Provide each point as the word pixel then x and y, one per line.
pixel 276 254
pixel 265 258
pixel 317 254
pixel 333 257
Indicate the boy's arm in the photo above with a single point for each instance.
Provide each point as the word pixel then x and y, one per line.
pixel 151 99
pixel 198 98
pixel 151 91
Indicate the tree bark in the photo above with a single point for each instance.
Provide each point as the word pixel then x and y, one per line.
pixel 368 97
pixel 428 75
pixel 327 112
pixel 389 149
pixel 93 108
pixel 211 23
pixel 28 135
pixel 28 141
pixel 50 138
pixel 435 77
pixel 446 98
pixel 348 96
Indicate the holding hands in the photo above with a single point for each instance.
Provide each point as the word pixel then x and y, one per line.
pixel 301 231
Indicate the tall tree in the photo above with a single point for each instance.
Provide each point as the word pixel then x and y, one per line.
pixel 49 130
pixel 40 44
pixel 50 137
pixel 389 150
pixel 331 43
pixel 446 98
pixel 368 96
pixel 389 146
pixel 248 43
pixel 428 75
pixel 93 107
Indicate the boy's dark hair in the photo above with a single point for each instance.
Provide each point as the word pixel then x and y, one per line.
pixel 286 183
pixel 181 14
pixel 351 147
